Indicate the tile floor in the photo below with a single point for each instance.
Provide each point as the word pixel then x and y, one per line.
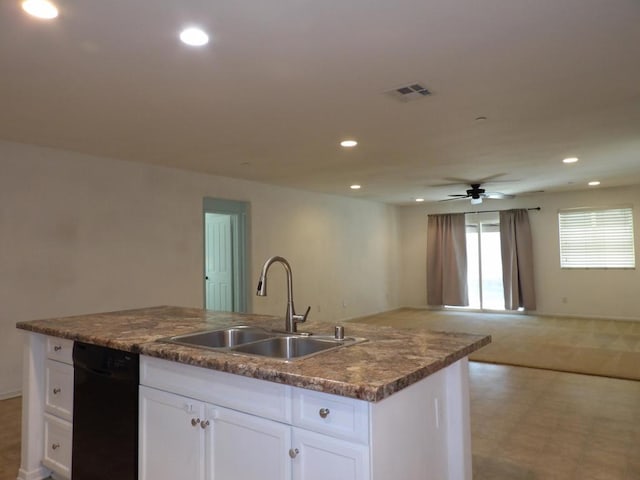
pixel 538 424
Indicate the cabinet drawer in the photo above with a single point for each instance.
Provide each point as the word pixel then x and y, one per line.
pixel 333 415
pixel 59 389
pixel 60 349
pixel 57 445
pixel 249 395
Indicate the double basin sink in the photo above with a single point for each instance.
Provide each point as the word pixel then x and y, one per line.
pixel 247 340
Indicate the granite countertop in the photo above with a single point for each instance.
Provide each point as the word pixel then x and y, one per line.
pixel 391 359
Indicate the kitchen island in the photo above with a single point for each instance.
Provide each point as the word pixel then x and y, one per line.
pixel 396 406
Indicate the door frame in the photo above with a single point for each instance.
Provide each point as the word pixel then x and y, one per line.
pixel 239 212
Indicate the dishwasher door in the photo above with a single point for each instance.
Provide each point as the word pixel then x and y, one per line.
pixel 105 413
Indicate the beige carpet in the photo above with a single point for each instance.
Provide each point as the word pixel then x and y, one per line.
pixel 609 348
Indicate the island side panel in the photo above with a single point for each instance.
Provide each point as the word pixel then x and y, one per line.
pixel 459 420
pixel 419 432
pixel 33 397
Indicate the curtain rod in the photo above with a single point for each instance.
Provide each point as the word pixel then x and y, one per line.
pixel 493 211
pixel 490 211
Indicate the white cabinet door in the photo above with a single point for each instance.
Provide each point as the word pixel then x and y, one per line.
pixel 242 446
pixel 320 457
pixel 171 439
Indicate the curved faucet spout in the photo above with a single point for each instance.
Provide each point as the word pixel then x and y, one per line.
pixel 291 318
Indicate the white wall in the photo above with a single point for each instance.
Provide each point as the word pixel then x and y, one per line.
pixel 591 293
pixel 82 234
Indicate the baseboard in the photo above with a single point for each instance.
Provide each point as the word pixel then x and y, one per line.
pixel 37 474
pixel 590 317
pixel 516 312
pixel 8 395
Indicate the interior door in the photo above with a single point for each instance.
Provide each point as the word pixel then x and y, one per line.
pixel 218 262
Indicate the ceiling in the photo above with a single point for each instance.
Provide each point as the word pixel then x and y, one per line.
pixel 283 81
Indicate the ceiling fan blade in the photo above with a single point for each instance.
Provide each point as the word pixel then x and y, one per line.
pixel 461 195
pixel 479 181
pixel 455 197
pixel 498 195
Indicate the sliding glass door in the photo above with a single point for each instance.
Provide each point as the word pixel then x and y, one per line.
pixel 484 262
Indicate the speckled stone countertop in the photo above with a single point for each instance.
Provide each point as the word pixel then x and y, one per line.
pixel 391 359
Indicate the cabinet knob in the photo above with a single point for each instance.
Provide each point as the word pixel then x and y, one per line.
pixel 293 452
pixel 324 412
pixel 195 422
pixel 56 391
pixel 57 348
pixel 204 424
pixel 55 446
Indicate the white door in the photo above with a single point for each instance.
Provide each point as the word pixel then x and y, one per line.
pixel 242 446
pixel 218 262
pixel 320 457
pixel 171 439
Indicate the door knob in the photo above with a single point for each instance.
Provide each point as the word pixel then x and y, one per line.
pixel 324 412
pixel 195 421
pixel 293 452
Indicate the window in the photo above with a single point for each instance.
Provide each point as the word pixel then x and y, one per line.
pixel 596 238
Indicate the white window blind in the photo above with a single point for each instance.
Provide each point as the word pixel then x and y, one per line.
pixel 596 238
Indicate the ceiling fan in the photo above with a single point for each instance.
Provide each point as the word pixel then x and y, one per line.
pixel 476 194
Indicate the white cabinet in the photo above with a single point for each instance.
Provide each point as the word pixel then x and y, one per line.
pixel 178 433
pixel 59 389
pixel 57 445
pixel 253 429
pixel 320 457
pixel 171 438
pixel 184 438
pixel 247 447
pixel 58 406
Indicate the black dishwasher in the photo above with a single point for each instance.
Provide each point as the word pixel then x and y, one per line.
pixel 105 413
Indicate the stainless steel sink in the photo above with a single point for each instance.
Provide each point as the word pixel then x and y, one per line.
pixel 288 347
pixel 225 338
pixel 246 340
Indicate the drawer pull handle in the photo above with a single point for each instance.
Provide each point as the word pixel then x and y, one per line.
pixel 57 348
pixel 324 412
pixel 195 422
pixel 204 424
pixel 55 446
pixel 293 452
pixel 56 391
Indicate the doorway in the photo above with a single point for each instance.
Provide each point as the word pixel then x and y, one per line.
pixel 225 255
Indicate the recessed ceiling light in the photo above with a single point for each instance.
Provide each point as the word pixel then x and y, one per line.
pixel 40 8
pixel 348 143
pixel 355 187
pixel 419 199
pixel 194 37
pixel 594 183
pixel 570 160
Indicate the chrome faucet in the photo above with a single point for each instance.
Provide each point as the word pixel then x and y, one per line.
pixel 291 318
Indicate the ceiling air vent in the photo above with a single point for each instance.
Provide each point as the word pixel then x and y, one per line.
pixel 408 93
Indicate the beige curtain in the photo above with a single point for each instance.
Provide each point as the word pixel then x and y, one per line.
pixel 517 260
pixel 447 260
